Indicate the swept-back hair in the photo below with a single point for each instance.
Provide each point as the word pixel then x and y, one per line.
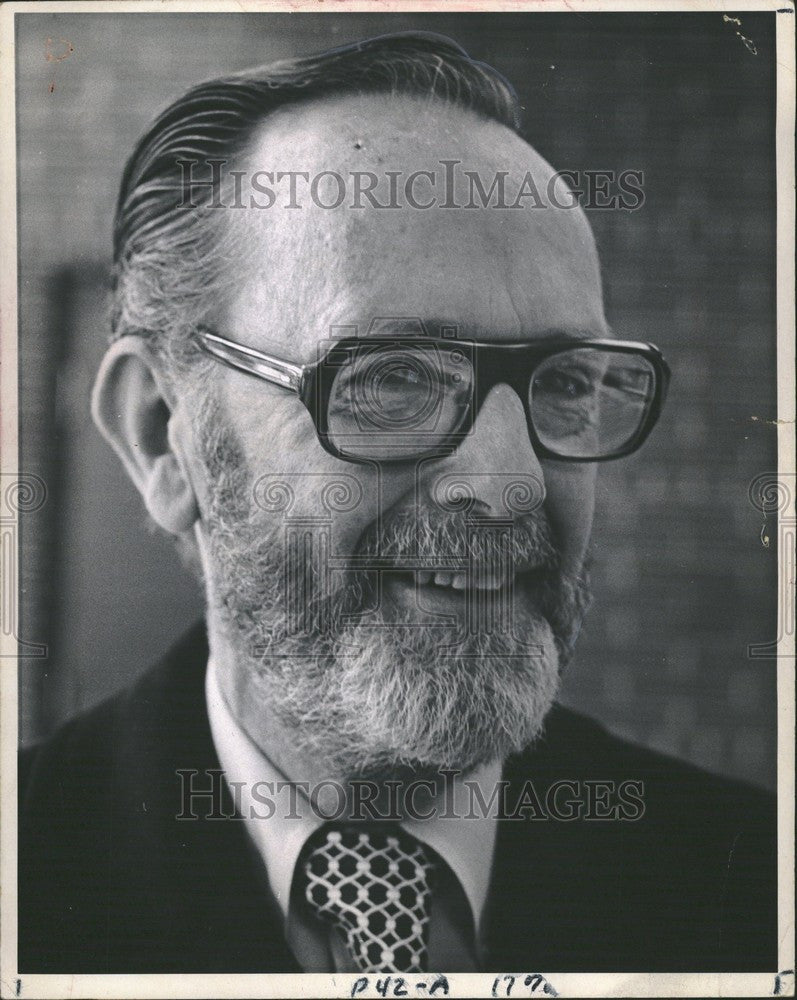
pixel 164 245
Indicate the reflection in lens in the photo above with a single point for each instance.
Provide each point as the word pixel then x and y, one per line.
pixel 589 402
pixel 398 401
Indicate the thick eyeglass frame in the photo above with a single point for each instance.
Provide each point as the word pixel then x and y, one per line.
pixel 494 363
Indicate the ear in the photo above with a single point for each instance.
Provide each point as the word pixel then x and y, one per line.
pixel 134 411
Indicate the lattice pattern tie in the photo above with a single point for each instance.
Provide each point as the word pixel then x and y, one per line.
pixel 374 885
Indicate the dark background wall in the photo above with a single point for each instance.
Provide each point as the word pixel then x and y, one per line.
pixel 683 580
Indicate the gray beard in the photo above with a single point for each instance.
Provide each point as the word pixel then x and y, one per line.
pixel 376 698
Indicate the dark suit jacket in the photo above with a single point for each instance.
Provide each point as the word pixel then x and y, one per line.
pixel 111 881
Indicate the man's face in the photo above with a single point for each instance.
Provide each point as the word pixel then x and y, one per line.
pixel 374 669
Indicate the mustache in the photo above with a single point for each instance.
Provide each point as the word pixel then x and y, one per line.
pixel 420 538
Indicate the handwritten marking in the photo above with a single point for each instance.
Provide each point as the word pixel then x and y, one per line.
pixel 504 985
pixel 396 986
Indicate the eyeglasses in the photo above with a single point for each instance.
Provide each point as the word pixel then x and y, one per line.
pixel 397 399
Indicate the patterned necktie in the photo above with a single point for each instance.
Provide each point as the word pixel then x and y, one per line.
pixel 373 884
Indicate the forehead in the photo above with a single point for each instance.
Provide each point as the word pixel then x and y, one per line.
pixel 302 272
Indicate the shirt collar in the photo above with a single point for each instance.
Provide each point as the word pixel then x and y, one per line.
pixel 466 845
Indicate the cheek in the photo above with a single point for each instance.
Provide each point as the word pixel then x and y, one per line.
pixel 294 479
pixel 570 505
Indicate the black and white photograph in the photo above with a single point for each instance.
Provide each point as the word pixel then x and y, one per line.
pixel 398 499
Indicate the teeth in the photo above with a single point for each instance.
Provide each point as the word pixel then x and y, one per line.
pixel 481 580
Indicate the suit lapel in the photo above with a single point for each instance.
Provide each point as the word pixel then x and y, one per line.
pixel 200 885
pixel 553 891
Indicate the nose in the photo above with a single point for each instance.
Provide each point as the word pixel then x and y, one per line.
pixel 496 465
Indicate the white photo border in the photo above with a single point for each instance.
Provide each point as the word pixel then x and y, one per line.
pixel 781 980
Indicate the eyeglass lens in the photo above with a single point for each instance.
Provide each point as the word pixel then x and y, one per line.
pixel 590 403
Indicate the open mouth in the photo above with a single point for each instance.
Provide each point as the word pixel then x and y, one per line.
pixel 418 593
pixel 461 581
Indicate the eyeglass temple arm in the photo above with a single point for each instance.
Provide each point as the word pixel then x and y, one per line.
pixel 248 360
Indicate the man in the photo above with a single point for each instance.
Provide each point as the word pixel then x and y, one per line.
pixel 362 373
